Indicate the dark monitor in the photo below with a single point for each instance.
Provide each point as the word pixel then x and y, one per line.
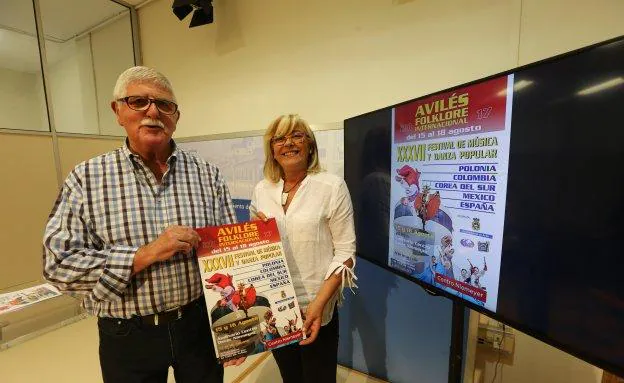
pixel 506 194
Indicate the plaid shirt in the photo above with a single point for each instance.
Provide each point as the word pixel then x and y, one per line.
pixel 111 205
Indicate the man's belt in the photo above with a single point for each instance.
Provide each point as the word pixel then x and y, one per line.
pixel 166 317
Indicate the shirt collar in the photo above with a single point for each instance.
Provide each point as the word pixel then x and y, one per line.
pixel 133 156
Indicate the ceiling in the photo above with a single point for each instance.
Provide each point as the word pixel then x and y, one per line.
pixel 62 20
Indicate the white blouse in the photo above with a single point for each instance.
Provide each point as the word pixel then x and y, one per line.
pixel 317 232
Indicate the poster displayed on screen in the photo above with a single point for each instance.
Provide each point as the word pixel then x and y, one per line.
pixel 549 158
pixel 450 155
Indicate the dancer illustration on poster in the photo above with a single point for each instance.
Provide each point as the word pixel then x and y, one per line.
pixel 409 177
pixel 476 274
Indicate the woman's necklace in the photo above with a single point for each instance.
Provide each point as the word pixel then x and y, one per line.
pixel 285 192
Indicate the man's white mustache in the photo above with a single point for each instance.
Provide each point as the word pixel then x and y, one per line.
pixel 151 122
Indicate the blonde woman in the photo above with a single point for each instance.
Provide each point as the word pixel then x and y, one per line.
pixel 315 217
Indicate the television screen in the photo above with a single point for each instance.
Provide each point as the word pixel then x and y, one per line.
pixel 506 194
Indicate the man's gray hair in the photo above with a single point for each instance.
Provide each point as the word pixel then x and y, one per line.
pixel 141 74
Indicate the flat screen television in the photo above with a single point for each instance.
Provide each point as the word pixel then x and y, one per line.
pixel 506 194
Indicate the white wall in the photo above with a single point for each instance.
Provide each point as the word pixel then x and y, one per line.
pixel 325 59
pixel 329 60
pixel 21 101
pixel 551 27
pixel 535 361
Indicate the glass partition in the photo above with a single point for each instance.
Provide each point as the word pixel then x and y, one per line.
pixel 88 43
pixel 22 97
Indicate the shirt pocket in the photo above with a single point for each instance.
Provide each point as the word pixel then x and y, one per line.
pixel 305 227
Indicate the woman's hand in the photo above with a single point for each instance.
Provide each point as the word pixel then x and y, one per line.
pixel 260 215
pixel 312 323
pixel 234 362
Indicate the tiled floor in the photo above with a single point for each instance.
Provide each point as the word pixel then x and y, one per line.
pixel 69 354
pixel 265 370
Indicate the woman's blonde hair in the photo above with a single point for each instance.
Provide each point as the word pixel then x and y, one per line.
pixel 282 126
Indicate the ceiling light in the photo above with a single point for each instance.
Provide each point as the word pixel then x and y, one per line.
pixel 600 87
pixel 517 86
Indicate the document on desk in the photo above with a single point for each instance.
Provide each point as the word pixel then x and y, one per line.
pixel 17 300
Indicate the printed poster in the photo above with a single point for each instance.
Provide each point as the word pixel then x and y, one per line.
pixel 248 289
pixel 450 157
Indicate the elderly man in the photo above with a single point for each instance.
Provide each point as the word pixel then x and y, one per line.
pixel 121 236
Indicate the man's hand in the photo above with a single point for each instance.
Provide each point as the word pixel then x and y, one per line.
pixel 173 240
pixel 260 215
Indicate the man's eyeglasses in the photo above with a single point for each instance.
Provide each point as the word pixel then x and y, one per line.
pixel 141 103
pixel 295 137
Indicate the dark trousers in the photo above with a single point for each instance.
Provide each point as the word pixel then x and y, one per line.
pixel 134 352
pixel 315 362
